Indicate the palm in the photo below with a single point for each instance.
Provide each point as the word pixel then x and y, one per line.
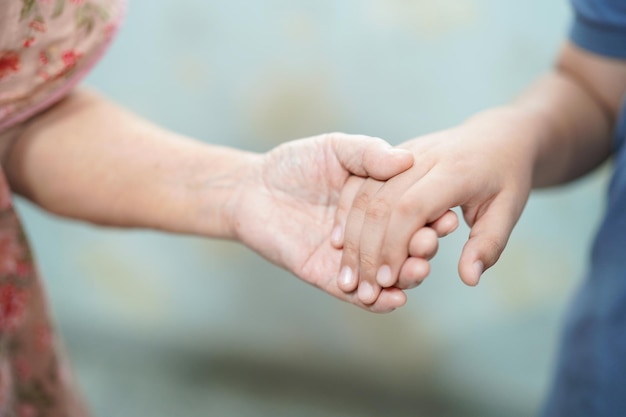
pixel 288 212
pixel 292 211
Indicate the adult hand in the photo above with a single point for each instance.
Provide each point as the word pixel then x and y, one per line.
pixel 284 209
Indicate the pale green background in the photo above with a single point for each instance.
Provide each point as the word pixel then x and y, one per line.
pixel 168 326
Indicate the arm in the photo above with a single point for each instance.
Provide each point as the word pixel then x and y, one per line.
pixel 576 107
pixel 88 159
pixel 558 130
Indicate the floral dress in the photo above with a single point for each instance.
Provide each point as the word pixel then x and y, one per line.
pixel 46 47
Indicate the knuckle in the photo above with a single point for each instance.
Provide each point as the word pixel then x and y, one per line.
pixel 350 250
pixel 407 207
pixel 377 210
pixel 395 252
pixel 368 263
pixel 361 201
pixel 331 138
pixel 492 250
pixel 331 135
pixel 343 208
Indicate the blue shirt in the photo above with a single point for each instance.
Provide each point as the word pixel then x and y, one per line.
pixel 590 378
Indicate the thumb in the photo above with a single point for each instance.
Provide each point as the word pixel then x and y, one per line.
pixel 488 238
pixel 366 156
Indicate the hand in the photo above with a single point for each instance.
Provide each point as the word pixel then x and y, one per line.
pixel 423 244
pixel 285 208
pixel 484 166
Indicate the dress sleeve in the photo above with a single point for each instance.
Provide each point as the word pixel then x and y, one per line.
pixel 47 47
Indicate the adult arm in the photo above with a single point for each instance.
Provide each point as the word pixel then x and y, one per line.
pixel 88 159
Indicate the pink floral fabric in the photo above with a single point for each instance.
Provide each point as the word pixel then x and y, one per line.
pixel 34 380
pixel 46 47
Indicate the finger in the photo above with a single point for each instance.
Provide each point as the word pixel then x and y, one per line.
pixel 369 157
pixel 373 231
pixel 348 275
pixel 488 238
pixel 422 247
pixel 446 224
pixel 347 280
pixel 421 204
pixel 424 243
pixel 349 270
pixel 412 273
pixel 388 300
pixel 348 193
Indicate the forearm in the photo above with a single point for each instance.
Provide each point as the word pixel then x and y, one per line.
pixel 573 130
pixel 568 116
pixel 90 160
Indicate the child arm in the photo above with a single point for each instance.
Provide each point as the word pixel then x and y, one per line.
pixel 558 130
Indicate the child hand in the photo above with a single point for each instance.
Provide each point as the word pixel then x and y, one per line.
pixel 484 166
pixel 422 247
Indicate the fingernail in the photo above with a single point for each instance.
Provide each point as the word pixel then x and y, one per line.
pixel 383 276
pixel 346 276
pixel 335 236
pixel 479 268
pixel 366 292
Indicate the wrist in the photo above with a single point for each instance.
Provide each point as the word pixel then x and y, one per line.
pixel 217 193
pixel 522 133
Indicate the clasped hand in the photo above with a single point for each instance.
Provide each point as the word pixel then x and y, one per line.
pixel 361 220
pixel 388 230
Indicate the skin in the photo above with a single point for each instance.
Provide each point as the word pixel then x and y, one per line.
pixel 88 159
pixel 560 129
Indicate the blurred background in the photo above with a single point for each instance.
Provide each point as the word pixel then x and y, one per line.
pixel 165 326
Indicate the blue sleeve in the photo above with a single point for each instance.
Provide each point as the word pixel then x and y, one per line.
pixel 600 26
